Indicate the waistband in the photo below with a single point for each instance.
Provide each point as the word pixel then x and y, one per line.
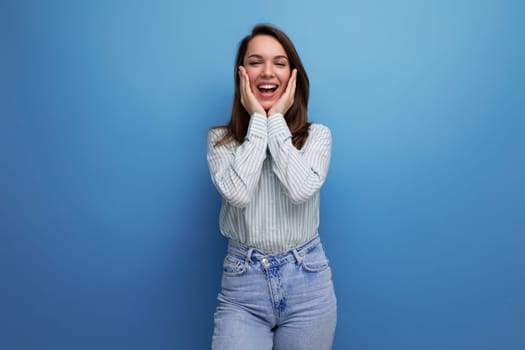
pixel 253 254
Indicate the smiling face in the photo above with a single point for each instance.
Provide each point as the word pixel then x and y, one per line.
pixel 268 68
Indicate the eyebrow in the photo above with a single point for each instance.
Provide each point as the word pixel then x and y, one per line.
pixel 275 58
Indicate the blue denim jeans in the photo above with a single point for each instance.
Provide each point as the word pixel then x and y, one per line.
pixel 276 301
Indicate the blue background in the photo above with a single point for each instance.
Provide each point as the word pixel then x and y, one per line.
pixel 109 221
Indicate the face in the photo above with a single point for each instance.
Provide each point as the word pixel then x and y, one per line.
pixel 268 68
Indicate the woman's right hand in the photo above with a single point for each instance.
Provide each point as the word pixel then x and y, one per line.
pixel 248 99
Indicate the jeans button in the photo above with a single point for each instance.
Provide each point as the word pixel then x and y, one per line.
pixel 264 261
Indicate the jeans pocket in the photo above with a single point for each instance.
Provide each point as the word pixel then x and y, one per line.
pixel 315 260
pixel 233 266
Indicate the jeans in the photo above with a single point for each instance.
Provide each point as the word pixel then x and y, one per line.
pixel 275 301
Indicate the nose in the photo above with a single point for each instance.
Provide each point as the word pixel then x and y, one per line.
pixel 267 70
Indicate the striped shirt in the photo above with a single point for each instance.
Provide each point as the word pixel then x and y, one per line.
pixel 270 189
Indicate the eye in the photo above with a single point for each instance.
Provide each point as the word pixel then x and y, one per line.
pixel 281 64
pixel 254 63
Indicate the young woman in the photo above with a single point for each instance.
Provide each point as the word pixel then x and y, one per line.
pixel 269 163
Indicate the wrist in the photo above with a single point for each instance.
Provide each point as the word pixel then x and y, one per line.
pixel 273 112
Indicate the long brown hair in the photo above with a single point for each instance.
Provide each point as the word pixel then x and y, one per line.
pixel 296 117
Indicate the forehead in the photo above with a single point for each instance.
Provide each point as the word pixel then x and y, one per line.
pixel 265 45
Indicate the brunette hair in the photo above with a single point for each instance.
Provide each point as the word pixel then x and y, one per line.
pixel 296 117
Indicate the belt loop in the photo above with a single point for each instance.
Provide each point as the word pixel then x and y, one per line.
pixel 297 257
pixel 249 256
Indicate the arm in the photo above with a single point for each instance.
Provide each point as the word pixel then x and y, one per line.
pixel 302 173
pixel 235 171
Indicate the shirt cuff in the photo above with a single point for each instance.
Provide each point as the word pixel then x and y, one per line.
pixel 277 126
pixel 258 126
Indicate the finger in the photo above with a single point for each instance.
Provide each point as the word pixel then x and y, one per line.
pixel 248 99
pixel 291 82
pixel 242 79
pixel 247 87
pixel 242 83
pixel 289 92
pixel 294 83
pixel 245 82
pixel 293 79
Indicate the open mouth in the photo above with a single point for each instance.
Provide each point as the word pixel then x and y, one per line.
pixel 267 88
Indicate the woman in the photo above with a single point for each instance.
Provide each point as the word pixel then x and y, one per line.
pixel 269 163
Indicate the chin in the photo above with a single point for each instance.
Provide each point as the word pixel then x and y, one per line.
pixel 267 106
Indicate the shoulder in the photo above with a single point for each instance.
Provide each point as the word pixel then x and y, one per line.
pixel 320 131
pixel 216 133
pixel 319 127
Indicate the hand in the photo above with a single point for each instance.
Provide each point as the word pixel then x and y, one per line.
pixel 283 104
pixel 248 99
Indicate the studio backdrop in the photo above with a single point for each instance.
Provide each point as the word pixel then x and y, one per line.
pixel 109 231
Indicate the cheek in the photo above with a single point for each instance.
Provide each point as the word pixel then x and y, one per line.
pixel 251 77
pixel 285 77
pixel 251 72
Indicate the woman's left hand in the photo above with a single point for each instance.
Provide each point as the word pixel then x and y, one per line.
pixel 283 104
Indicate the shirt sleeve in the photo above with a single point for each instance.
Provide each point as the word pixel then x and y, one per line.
pixel 235 169
pixel 302 172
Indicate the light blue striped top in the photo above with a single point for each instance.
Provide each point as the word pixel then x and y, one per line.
pixel 270 189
